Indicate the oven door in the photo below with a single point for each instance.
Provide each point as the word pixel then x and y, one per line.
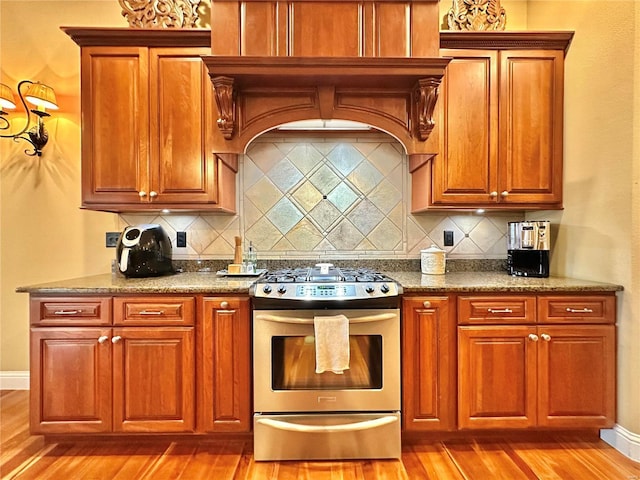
pixel 285 380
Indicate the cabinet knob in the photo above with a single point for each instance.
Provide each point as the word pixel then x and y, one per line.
pixel 533 337
pixel 546 337
pixel 493 194
pixel 116 339
pixel 102 339
pixel 142 193
pixel 426 304
pixel 153 194
pixel 504 194
pixel 224 305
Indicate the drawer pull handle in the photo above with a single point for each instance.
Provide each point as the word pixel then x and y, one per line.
pixel 152 312
pixel 546 337
pixel 67 312
pixel 426 304
pixel 499 310
pixel 116 339
pixel 579 310
pixel 102 339
pixel 533 337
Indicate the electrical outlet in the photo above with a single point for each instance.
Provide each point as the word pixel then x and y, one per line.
pixel 111 239
pixel 181 239
pixel 448 238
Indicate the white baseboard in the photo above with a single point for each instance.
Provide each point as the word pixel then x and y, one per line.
pixel 14 380
pixel 623 440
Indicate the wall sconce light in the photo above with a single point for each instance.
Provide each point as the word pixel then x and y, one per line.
pixel 42 97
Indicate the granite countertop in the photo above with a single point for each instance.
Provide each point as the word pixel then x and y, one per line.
pixel 179 283
pixel 411 281
pixel 416 282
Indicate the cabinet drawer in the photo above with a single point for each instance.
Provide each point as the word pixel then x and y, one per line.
pixel 496 309
pixel 577 309
pixel 70 311
pixel 153 310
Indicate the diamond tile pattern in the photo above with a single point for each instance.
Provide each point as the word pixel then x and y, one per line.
pixel 332 197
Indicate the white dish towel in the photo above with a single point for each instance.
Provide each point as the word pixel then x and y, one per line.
pixel 332 343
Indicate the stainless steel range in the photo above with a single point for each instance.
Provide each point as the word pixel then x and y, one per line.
pixel 326 364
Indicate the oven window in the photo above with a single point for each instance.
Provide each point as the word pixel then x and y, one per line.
pixel 293 363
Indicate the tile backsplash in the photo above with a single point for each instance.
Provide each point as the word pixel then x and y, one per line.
pixel 329 197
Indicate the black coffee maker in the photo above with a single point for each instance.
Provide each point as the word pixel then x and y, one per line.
pixel 144 251
pixel 528 248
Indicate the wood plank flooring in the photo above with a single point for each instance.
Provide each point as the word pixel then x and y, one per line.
pixel 554 457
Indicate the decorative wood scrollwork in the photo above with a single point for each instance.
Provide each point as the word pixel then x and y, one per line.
pixel 225 100
pixel 476 15
pixel 160 13
pixel 425 97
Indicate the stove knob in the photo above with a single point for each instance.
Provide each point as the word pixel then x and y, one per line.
pixel 369 288
pixel 384 288
pixel 267 289
pixel 282 289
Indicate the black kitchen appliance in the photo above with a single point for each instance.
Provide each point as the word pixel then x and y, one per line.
pixel 528 248
pixel 144 251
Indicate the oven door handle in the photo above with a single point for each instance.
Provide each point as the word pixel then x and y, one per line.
pixel 346 427
pixel 379 317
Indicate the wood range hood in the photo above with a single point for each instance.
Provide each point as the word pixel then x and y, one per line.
pixel 370 62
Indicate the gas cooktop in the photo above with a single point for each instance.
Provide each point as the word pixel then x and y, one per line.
pixel 324 282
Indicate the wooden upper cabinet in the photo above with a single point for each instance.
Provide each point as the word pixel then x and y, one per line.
pixel 148 123
pixel 501 124
pixel 531 127
pixel 466 170
pixel 115 124
pixel 182 167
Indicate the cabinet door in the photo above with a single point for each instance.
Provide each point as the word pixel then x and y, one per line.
pixel 497 377
pixel 428 364
pixel 181 116
pixel 153 379
pixel 465 172
pixel 225 382
pixel 576 376
pixel 531 117
pixel 70 380
pixel 115 125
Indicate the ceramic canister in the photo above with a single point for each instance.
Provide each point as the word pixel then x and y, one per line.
pixel 432 260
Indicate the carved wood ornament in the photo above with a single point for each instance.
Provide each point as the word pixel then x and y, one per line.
pixel 476 15
pixel 160 13
pixel 226 106
pixel 426 96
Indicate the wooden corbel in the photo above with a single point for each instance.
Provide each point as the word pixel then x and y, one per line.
pixel 225 100
pixel 425 97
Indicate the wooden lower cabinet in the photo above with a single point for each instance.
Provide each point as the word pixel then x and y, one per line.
pixel 428 364
pixel 536 376
pixel 101 380
pixel 154 379
pixel 70 380
pixel 225 365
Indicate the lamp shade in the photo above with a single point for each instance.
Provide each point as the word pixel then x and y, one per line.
pixel 6 97
pixel 43 95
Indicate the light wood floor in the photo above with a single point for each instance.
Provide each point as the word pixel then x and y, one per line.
pixel 25 456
